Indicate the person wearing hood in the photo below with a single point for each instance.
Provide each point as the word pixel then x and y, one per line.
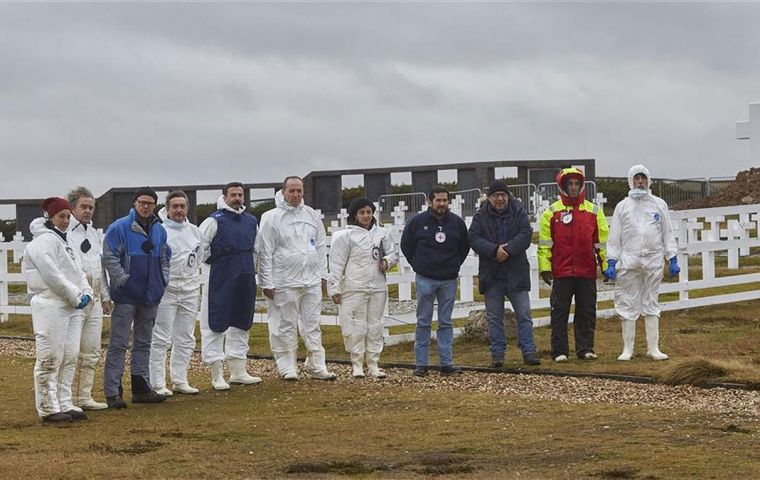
pixel 178 310
pixel 292 254
pixel 86 324
pixel 571 243
pixel 641 237
pixel 359 257
pixel 500 233
pixel 228 237
pixel 58 285
pixel 136 258
pixel 435 244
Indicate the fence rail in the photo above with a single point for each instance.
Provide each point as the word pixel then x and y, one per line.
pixel 709 233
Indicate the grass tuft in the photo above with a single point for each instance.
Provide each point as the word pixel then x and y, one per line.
pixel 694 371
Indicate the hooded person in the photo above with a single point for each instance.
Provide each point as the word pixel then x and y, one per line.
pixel 292 254
pixel 228 236
pixel 58 286
pixel 178 310
pixel 86 329
pixel 359 257
pixel 571 246
pixel 641 237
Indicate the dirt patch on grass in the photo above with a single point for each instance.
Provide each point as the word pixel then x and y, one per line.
pixel 137 448
pixel 336 467
pixel 443 464
pixel 618 473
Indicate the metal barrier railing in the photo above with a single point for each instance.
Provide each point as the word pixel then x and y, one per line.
pixel 414 202
pixel 716 184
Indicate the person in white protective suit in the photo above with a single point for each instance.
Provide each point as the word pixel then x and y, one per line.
pixel 292 254
pixel 58 285
pixel 178 310
pixel 86 328
pixel 359 257
pixel 641 236
pixel 229 236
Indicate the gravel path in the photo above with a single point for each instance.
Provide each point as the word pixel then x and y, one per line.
pixel 733 405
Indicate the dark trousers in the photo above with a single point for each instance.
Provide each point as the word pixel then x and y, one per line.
pixel 584 319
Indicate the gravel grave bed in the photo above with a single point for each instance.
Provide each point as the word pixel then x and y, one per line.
pixel 732 405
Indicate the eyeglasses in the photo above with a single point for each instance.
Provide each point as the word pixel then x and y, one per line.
pixel 146 204
pixel 85 246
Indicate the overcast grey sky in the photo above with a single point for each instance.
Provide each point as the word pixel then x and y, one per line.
pixel 119 94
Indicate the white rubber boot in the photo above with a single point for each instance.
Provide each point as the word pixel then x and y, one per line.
pixel 374 370
pixel 286 364
pixel 357 362
pixel 316 368
pixel 163 391
pixel 238 373
pixel 217 376
pixel 185 388
pixel 653 338
pixel 629 336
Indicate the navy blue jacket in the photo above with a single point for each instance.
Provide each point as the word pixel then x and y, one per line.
pixel 435 248
pixel 488 230
pixel 137 265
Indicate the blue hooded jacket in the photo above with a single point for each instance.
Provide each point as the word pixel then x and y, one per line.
pixel 137 264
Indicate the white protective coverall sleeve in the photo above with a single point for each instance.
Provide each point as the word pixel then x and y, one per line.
pixel 339 251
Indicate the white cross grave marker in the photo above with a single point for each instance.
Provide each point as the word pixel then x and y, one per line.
pixel 750 130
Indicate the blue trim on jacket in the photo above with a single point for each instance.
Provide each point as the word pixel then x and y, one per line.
pixel 137 274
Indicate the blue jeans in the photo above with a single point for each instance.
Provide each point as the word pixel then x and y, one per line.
pixel 520 300
pixel 125 319
pixel 428 290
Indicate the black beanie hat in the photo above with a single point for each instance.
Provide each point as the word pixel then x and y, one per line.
pixel 145 191
pixel 358 203
pixel 497 186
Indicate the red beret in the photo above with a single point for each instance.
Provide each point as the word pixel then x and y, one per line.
pixel 53 205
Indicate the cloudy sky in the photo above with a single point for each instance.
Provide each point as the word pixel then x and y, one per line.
pixel 122 95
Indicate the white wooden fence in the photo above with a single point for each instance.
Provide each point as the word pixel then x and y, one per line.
pixel 710 233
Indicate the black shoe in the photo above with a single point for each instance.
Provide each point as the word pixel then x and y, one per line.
pixel 57 418
pixel 420 371
pixel 149 397
pixel 116 402
pixel 75 415
pixel 496 363
pixel 531 359
pixel 450 370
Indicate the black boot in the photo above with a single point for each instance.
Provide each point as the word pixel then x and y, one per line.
pixel 57 418
pixel 116 402
pixel 142 393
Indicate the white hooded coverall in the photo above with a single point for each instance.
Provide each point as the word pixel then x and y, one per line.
pixel 86 324
pixel 641 238
pixel 292 254
pixel 178 310
pixel 355 257
pixel 232 343
pixel 57 283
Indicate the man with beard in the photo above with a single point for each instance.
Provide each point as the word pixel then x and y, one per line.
pixel 435 245
pixel 228 237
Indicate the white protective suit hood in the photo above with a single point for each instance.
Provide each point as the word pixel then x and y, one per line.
pixel 184 240
pixel 291 246
pixel 52 269
pixel 637 193
pixel 222 205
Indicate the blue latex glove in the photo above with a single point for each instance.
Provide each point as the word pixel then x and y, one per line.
pixel 84 302
pixel 610 273
pixel 674 268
